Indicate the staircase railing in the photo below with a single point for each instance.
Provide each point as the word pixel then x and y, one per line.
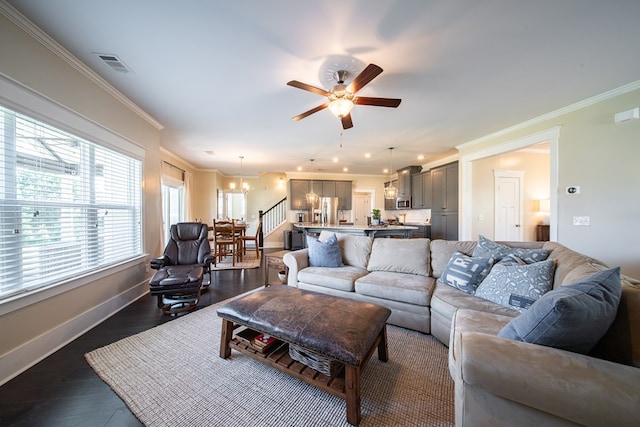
pixel 272 218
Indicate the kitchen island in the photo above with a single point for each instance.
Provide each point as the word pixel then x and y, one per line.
pixel 366 230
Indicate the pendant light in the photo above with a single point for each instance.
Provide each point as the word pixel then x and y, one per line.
pixel 244 187
pixel 390 192
pixel 312 198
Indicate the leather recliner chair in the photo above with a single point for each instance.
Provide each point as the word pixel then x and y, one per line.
pixel 184 268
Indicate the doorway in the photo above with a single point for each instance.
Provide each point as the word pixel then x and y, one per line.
pixel 361 207
pixel 508 205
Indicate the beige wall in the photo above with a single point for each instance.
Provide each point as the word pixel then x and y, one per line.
pixel 602 158
pixel 535 168
pixel 31 332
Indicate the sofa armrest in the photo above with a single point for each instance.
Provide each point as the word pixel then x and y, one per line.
pixel 296 261
pixel 555 383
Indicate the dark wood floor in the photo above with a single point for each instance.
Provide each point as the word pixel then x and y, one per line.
pixel 63 390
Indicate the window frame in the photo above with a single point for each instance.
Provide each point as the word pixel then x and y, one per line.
pixel 23 100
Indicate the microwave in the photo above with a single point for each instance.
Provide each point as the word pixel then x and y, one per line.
pixel 402 203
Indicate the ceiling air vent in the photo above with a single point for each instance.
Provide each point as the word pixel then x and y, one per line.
pixel 114 62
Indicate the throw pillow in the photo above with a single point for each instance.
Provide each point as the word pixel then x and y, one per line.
pixel 572 317
pixel 465 272
pixel 487 248
pixel 517 286
pixel 324 254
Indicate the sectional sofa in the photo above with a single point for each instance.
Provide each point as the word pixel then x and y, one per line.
pixel 498 380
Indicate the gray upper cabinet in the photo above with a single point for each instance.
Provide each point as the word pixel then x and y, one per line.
pixel 300 187
pixel 343 193
pixel 404 180
pixel 421 192
pixel 445 187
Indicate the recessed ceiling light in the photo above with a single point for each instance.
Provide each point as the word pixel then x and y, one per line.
pixel 345 169
pixel 420 157
pixel 385 170
pixel 367 155
pixel 335 160
pixel 299 168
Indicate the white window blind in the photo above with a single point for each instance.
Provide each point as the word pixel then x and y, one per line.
pixel 67 206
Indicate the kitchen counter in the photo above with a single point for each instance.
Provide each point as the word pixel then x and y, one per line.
pixel 367 230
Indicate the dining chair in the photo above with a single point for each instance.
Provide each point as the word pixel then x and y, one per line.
pixel 226 242
pixel 252 238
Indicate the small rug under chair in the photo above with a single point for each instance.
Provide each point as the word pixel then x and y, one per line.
pixel 172 375
pixel 249 260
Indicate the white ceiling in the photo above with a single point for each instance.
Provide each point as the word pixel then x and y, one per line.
pixel 214 73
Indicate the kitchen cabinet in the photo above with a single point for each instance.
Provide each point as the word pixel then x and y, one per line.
pixel 444 206
pixel 444 184
pixel 404 180
pixel 421 192
pixel 300 187
pixel 298 194
pixel 343 193
pixel 390 204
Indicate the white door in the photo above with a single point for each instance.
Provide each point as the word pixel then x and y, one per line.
pixel 362 208
pixel 508 205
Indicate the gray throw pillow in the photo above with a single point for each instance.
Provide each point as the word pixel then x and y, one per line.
pixel 572 317
pixel 487 248
pixel 517 286
pixel 465 272
pixel 324 254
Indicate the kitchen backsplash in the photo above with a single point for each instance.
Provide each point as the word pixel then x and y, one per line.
pixel 418 216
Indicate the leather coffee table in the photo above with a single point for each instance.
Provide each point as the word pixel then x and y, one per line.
pixel 339 329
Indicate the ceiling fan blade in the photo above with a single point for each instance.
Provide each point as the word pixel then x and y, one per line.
pixel 304 86
pixel 378 102
pixel 310 112
pixel 371 72
pixel 346 122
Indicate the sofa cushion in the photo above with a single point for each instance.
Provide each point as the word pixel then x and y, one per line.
pixel 355 249
pixel 409 288
pixel 443 250
pixel 465 272
pixel 487 247
pixel 341 278
pixel 572 317
pixel 325 253
pixel 409 256
pixel 517 286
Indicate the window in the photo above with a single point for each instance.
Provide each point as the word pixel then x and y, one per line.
pixel 67 206
pixel 171 207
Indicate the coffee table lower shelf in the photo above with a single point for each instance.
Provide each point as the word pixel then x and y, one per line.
pixel 279 358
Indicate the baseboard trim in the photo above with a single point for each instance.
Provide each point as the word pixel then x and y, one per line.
pixel 24 357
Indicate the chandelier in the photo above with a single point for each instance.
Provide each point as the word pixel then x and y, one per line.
pixel 390 192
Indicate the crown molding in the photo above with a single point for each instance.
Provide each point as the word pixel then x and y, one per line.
pixel 44 39
pixel 556 113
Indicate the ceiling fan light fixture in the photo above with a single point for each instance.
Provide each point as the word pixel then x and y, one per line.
pixel 341 104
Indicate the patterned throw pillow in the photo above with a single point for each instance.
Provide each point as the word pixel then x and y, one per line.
pixel 487 248
pixel 517 286
pixel 572 317
pixel 465 272
pixel 324 254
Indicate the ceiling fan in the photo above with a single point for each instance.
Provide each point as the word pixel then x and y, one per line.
pixel 341 98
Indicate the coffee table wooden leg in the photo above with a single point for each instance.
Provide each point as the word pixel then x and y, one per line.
pixel 225 338
pixel 383 354
pixel 352 389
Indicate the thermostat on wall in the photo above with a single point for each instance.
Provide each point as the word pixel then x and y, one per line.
pixel 574 189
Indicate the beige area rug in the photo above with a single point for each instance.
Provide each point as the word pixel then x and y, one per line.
pixel 248 261
pixel 172 375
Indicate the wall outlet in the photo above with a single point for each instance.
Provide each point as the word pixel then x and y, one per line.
pixel 581 220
